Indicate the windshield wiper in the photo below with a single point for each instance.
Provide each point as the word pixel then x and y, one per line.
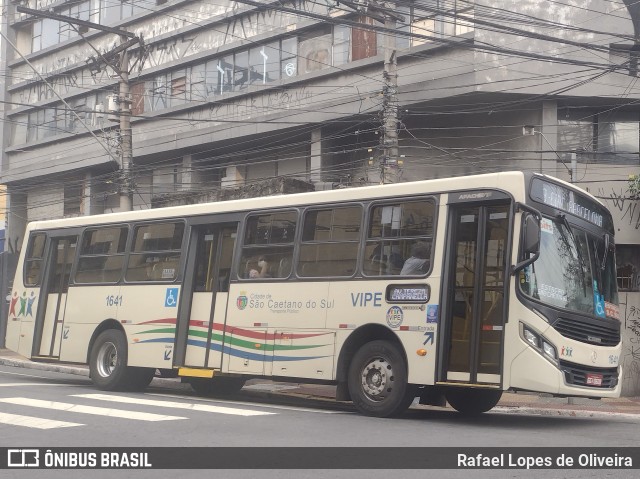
pixel 605 253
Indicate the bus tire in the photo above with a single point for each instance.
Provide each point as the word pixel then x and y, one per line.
pixel 472 401
pixel 108 364
pixel 216 386
pixel 377 380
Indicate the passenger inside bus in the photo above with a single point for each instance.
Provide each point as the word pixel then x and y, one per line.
pixel 260 269
pixel 417 263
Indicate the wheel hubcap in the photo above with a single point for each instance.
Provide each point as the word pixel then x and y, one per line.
pixel 107 359
pixel 377 379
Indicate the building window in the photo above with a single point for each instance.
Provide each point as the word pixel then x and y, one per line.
pixel 241 70
pixel 158 93
pixel 364 41
pixel 618 137
pixel 341 45
pixel 264 63
pixel 73 195
pixel 628 265
pixel 289 55
pixel 178 88
pixel 137 98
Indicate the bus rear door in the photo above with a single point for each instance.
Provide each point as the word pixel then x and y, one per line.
pixel 202 320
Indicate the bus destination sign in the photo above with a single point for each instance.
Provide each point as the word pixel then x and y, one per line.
pixel 571 202
pixel 407 293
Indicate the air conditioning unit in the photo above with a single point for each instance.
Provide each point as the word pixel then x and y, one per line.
pixel 113 108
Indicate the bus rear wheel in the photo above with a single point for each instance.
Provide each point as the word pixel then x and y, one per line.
pixel 216 386
pixel 377 380
pixel 108 364
pixel 472 401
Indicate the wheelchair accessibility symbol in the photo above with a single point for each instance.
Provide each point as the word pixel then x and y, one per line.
pixel 171 298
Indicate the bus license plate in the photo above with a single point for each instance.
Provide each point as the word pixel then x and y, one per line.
pixel 594 379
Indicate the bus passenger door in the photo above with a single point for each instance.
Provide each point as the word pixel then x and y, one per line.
pixel 48 332
pixel 475 306
pixel 206 289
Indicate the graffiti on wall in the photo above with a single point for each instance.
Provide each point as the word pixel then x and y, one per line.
pixel 233 27
pixel 630 304
pixel 254 106
pixel 626 211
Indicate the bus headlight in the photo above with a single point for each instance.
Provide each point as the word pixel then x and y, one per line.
pixel 549 350
pixel 540 344
pixel 531 337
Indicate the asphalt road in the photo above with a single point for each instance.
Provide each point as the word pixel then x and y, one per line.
pixel 45 409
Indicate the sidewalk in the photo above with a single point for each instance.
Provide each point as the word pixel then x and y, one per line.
pixel 510 402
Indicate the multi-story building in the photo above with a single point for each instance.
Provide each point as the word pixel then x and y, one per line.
pixel 228 93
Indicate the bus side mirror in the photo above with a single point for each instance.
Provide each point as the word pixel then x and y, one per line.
pixel 531 235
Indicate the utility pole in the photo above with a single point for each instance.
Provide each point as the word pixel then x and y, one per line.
pixel 118 60
pixel 389 152
pixel 126 146
pixel 389 162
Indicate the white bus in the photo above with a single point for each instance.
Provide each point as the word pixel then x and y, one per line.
pixel 454 289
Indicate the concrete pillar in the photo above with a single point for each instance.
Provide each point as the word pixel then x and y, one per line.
pixel 316 164
pixel 190 178
pixel 234 177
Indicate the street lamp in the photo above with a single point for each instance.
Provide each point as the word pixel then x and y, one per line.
pixel 529 130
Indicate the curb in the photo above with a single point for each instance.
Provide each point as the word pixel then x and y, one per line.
pixel 19 363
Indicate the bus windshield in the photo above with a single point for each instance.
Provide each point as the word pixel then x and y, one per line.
pixel 575 270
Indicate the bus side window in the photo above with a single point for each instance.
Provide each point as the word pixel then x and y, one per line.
pixel 268 245
pixel 102 255
pixel 156 252
pixel 330 242
pixel 400 239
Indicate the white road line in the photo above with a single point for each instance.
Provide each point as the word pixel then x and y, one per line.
pixel 9 385
pixel 34 422
pixel 174 405
pixel 245 403
pixel 98 411
pixel 28 375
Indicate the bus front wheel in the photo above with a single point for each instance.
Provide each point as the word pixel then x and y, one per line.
pixel 377 380
pixel 108 364
pixel 472 401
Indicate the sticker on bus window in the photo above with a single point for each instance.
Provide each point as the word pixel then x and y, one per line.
pixel 546 225
pixel 611 310
pixel 168 273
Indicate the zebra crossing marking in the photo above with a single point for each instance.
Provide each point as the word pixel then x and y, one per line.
pixel 175 405
pixel 82 409
pixel 34 422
